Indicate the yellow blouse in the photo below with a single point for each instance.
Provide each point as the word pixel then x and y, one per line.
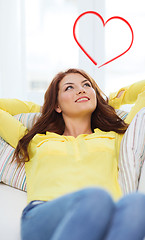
pixel 62 164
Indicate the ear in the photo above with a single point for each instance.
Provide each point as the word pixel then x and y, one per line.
pixel 58 109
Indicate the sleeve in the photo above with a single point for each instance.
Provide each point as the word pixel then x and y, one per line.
pixel 11 130
pixel 15 106
pixel 129 95
pixel 140 103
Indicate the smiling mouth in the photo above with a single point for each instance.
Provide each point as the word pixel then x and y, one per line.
pixel 83 100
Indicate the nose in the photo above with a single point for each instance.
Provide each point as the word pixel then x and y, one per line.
pixel 80 90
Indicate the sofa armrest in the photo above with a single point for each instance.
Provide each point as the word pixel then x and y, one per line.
pixel 12 203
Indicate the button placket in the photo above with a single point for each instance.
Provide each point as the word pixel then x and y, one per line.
pixel 76 150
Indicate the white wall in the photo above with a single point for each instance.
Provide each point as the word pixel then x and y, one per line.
pixel 92 36
pixel 12 70
pixel 13 61
pixel 13 48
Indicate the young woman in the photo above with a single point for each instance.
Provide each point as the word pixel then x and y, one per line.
pixel 71 163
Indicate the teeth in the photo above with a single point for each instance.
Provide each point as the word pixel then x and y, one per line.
pixel 82 99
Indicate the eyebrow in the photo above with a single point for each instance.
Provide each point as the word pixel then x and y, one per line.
pixel 74 83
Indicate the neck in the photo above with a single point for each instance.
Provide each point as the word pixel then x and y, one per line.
pixel 77 127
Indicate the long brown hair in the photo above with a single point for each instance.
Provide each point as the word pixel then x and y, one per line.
pixel 104 116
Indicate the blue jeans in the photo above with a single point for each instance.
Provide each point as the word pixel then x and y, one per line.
pixel 87 214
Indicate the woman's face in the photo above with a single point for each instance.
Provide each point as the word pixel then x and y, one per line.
pixel 72 87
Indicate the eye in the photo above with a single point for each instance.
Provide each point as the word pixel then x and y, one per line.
pixel 72 86
pixel 67 88
pixel 87 84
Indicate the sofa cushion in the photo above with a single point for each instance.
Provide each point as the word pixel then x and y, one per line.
pixel 121 113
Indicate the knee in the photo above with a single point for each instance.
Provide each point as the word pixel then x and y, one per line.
pixel 138 207
pixel 138 201
pixel 132 210
pixel 136 198
pixel 97 197
pixel 134 203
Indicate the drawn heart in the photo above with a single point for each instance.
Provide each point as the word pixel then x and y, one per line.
pixel 104 23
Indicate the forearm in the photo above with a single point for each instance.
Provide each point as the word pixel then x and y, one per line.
pixel 15 106
pixel 140 103
pixel 11 130
pixel 126 95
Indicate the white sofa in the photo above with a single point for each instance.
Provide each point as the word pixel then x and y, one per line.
pixel 12 202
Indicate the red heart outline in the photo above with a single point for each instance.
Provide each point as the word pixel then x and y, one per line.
pixel 104 23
